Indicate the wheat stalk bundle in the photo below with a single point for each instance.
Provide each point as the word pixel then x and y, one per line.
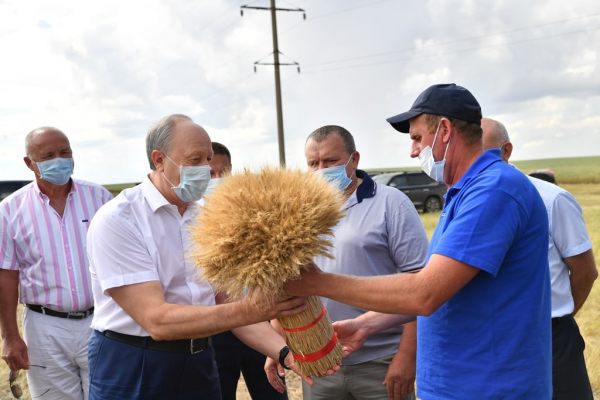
pixel 257 231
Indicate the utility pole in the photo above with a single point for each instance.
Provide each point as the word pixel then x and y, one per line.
pixel 276 64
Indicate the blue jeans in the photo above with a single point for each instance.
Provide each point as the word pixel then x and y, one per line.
pixel 121 371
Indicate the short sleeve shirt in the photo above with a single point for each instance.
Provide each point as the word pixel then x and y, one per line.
pixel 567 238
pixel 140 237
pixel 380 234
pixel 48 249
pixel 491 340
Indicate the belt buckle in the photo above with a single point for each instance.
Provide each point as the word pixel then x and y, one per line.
pixel 76 314
pixel 192 348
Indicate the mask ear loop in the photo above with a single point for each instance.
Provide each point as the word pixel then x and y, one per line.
pixel 437 130
pixel 446 151
pixel 436 133
pixel 346 165
pixel 180 171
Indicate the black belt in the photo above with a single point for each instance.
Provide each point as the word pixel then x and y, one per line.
pixel 561 320
pixel 68 315
pixel 190 346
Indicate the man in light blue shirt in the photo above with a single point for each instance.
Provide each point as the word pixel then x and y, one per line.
pixel 381 233
pixel 572 274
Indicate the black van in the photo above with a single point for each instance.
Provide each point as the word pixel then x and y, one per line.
pixel 425 193
pixel 7 187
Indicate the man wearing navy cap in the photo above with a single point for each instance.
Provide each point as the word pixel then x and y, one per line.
pixel 483 298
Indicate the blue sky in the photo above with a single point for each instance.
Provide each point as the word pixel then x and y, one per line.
pixel 103 72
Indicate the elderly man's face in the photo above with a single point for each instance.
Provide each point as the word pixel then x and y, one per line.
pixel 190 145
pixel 328 153
pixel 47 145
pixel 220 165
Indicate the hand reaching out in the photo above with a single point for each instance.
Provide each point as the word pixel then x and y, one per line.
pixel 351 334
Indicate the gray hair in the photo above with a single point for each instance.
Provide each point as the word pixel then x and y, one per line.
pixel 320 134
pixel 159 136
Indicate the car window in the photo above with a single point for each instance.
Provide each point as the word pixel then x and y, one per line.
pixel 383 179
pixel 419 180
pixel 398 181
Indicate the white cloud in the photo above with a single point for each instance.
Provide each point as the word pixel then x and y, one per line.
pixel 105 71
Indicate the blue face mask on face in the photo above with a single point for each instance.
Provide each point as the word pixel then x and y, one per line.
pixel 337 175
pixel 56 171
pixel 433 168
pixel 193 181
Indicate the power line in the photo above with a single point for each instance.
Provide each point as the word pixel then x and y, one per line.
pixel 332 13
pixel 397 60
pixel 276 53
pixel 453 41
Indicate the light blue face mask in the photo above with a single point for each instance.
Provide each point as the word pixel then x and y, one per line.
pixel 337 175
pixel 193 181
pixel 56 171
pixel 435 169
pixel 212 185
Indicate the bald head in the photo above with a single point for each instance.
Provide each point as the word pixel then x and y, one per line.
pixel 160 137
pixel 38 139
pixel 495 135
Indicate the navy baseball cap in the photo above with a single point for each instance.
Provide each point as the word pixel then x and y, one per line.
pixel 445 99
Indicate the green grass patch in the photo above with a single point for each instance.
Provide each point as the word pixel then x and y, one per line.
pixel 566 170
pixel 116 188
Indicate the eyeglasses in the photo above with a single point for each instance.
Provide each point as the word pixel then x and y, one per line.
pixel 15 387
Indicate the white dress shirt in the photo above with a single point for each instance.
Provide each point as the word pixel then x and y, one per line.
pixel 568 238
pixel 141 237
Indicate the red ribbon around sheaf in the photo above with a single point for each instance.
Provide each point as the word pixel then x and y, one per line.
pixel 310 325
pixel 317 355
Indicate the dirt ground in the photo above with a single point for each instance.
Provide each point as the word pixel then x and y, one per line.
pixel 293 383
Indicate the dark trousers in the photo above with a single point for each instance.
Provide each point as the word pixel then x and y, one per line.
pixel 234 356
pixel 121 371
pixel 570 379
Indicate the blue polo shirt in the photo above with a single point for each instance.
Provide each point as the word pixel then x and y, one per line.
pixel 491 340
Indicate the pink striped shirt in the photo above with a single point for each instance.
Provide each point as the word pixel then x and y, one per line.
pixel 49 250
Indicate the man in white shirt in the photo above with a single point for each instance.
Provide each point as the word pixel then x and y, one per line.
pixel 153 314
pixel 572 274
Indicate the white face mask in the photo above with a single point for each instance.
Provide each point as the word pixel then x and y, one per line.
pixel 193 181
pixel 435 169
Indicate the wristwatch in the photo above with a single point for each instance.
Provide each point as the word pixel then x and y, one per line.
pixel 282 355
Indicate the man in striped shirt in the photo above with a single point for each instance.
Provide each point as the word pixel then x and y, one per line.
pixel 43 228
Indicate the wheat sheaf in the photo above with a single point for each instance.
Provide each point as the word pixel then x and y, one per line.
pixel 256 231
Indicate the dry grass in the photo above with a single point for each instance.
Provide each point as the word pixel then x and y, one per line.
pixel 588 318
pixel 316 338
